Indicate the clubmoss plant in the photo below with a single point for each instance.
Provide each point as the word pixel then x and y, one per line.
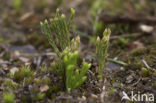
pixel 101 50
pixel 9 97
pixel 61 27
pixel 74 76
pixel 66 49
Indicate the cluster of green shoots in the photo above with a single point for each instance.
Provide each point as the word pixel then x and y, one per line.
pixel 22 77
pixel 61 27
pixel 74 77
pixel 24 72
pixel 67 50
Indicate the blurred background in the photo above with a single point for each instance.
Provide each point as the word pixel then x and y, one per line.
pixel 132 22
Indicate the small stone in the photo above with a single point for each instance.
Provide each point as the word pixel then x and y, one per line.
pixel 146 28
pixel 29 19
pixel 13 70
pixel 44 88
pixel 94 96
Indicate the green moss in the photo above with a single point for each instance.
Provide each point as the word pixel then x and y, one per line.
pixel 150 59
pixel 111 91
pixel 140 52
pixel 56 68
pixel 52 89
pixel 37 81
pixel 43 69
pixel 10 83
pixel 136 62
pixel 1 40
pixel 46 80
pixel 25 71
pixel 39 40
pixel 145 72
pixel 8 97
pixel 138 66
pixel 154 84
pixel 40 96
pixel 35 90
pixel 29 80
pixel 135 59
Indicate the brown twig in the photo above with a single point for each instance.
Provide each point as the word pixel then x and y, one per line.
pixel 126 19
pixel 134 84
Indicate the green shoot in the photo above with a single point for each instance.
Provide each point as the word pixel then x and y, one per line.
pixel 101 50
pixel 74 77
